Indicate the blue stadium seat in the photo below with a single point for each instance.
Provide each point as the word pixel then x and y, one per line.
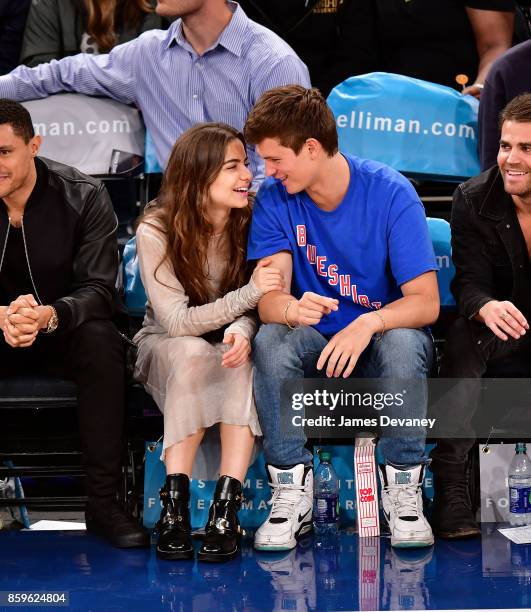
pixel 441 238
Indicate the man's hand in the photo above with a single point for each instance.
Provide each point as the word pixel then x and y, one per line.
pixel 239 353
pixel 503 318
pixel 310 309
pixel 23 301
pixel 473 90
pixel 22 313
pixel 23 321
pixel 21 336
pixel 344 349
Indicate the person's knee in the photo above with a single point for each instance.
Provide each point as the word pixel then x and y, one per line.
pixel 405 352
pixel 191 350
pixel 100 332
pixel 97 345
pixel 459 337
pixel 462 356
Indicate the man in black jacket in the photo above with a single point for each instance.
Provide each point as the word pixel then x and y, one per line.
pixel 58 267
pixel 491 249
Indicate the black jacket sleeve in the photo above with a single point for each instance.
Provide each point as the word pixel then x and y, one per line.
pixel 95 265
pixel 473 284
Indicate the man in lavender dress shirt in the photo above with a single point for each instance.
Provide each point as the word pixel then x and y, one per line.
pixel 212 64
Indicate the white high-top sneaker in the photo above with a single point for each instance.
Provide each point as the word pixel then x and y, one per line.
pixel 402 506
pixel 291 508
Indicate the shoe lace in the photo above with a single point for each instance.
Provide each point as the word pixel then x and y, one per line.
pixel 284 499
pixel 404 499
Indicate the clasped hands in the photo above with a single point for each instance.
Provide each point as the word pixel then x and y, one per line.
pixel 343 350
pixel 23 320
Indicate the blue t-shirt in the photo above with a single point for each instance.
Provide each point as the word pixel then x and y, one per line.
pixel 360 253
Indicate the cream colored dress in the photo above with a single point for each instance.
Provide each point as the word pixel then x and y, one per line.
pixel 181 370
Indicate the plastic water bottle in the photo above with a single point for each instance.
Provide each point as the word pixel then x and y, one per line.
pixel 520 487
pixel 326 497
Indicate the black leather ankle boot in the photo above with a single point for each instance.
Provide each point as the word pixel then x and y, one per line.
pixel 452 515
pixel 222 532
pixel 175 540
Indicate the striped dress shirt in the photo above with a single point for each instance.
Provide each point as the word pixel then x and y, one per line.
pixel 171 84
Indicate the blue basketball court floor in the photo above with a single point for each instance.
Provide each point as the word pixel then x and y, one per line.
pixel 348 573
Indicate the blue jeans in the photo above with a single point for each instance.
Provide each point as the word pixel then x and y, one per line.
pixel 280 353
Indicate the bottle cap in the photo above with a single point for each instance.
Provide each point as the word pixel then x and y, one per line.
pixel 324 456
pixel 521 447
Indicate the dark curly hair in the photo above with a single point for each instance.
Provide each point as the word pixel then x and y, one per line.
pixel 18 118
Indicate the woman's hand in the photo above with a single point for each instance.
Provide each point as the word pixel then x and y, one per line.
pixel 239 352
pixel 267 279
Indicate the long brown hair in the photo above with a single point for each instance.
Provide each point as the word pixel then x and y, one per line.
pixel 180 212
pixel 104 17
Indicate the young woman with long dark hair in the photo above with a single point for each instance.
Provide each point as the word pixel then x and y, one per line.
pixel 195 343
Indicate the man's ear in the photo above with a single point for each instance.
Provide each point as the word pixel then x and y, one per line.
pixel 35 144
pixel 314 147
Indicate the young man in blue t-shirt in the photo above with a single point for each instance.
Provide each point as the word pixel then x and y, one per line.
pixel 351 238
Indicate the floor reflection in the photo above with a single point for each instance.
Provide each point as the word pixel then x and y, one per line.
pixel 340 572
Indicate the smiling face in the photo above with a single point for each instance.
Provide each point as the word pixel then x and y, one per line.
pixel 514 158
pixel 296 172
pixel 17 163
pixel 230 188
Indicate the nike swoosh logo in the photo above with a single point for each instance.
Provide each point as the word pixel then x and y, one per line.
pixel 303 516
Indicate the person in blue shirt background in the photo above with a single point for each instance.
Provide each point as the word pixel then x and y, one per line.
pixel 351 238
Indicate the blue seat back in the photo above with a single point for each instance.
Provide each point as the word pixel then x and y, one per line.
pixel 134 293
pixel 441 239
pixel 151 163
pixel 419 128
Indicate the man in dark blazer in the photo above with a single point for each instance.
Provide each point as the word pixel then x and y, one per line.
pixel 491 248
